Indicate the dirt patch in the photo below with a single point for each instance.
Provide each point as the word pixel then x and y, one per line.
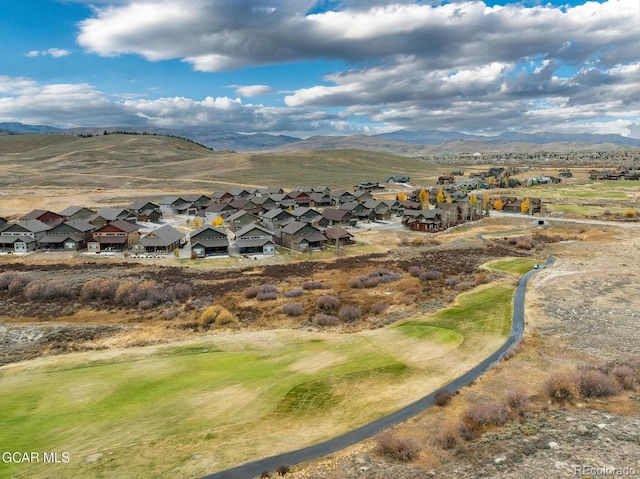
pixel 21 342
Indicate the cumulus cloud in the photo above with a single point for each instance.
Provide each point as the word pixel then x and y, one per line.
pixel 52 52
pixel 459 65
pixel 70 105
pixel 253 90
pixel 228 34
pixel 409 64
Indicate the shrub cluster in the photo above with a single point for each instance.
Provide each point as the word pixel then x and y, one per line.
pixel 481 278
pixel 123 292
pixel 99 288
pixel 263 292
pixel 48 290
pixel 430 275
pixel 373 279
pixel 464 286
pixel 595 384
pixel 217 315
pixel 593 381
pixel 322 319
pixel 294 293
pixel 311 285
pixel 146 294
pixel 479 416
pixel 292 309
pixel 563 385
pixel 379 307
pixel 400 448
pixel 326 302
pixel 349 313
pixel 523 242
pixel 442 397
pixel 517 400
pixel 415 270
pixel 14 282
pixel 451 281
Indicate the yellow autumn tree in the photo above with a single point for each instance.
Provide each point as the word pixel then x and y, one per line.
pixel 402 196
pixel 219 221
pixel 440 197
pixel 424 198
pixel 473 199
pixel 524 206
pixel 497 205
pixel 197 222
pixel 485 202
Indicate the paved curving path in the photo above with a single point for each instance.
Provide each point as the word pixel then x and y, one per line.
pixel 253 469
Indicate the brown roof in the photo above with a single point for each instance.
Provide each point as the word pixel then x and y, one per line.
pixel 337 233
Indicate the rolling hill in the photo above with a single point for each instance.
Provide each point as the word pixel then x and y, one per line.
pixel 134 161
pixel 407 143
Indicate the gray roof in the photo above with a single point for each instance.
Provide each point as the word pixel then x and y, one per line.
pixel 214 242
pixel 315 238
pixel 169 200
pixel 254 242
pixel 219 231
pixel 295 226
pixel 164 236
pixel 61 238
pixel 336 215
pixel 112 214
pixel 80 225
pixel 72 210
pixel 240 214
pixel 318 196
pixel 303 210
pixel 249 227
pixel 35 214
pixel 271 214
pixel 13 239
pixel 139 204
pixel 34 226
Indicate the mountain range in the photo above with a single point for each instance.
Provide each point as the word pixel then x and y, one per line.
pixel 402 142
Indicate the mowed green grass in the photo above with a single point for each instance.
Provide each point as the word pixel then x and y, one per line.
pixel 517 266
pixel 232 402
pixel 486 310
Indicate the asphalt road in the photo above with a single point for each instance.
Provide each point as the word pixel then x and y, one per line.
pixel 253 469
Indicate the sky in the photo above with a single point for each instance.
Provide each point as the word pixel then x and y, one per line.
pixel 323 67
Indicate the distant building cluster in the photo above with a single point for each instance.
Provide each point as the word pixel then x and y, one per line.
pixel 247 221
pixel 616 175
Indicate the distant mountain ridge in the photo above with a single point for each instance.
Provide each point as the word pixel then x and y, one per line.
pixel 403 142
pixel 438 137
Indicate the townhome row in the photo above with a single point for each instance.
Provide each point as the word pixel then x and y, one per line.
pixel 246 221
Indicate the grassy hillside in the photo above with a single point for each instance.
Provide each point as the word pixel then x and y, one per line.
pixel 126 161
